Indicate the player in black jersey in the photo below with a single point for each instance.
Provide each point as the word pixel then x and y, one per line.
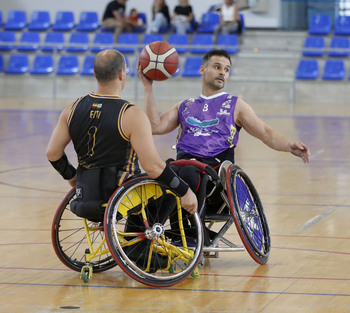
pixel 109 136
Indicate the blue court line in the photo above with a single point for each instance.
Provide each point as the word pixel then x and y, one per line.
pixel 184 289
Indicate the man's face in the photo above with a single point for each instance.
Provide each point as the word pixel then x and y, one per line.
pixel 216 72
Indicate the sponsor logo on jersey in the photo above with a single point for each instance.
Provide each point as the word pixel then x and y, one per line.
pixel 97 105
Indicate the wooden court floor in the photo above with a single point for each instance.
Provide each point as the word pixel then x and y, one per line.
pixel 307 207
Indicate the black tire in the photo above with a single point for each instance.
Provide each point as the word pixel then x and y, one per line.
pixel 248 214
pixel 141 225
pixel 70 242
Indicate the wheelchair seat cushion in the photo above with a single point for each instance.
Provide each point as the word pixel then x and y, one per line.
pixel 93 188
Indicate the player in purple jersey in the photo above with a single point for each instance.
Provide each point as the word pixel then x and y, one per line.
pixel 209 125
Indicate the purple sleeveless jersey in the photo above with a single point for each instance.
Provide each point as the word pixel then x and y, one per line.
pixel 207 126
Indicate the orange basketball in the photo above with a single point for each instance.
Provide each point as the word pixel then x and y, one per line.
pixel 159 60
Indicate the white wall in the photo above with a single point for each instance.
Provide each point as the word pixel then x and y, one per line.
pixel 268 19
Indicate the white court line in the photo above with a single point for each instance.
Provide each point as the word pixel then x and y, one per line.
pixel 316 154
pixel 315 220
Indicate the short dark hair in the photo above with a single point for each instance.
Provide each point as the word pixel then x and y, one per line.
pixel 221 53
pixel 107 65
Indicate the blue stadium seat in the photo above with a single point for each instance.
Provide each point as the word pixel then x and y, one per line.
pixel 53 41
pixel 334 70
pixel 242 22
pixel 208 23
pixel 180 42
pixel 88 21
pixel 201 43
pixel 320 24
pixel 16 20
pixel 68 65
pixel 148 38
pixel 342 44
pixel 30 41
pixel 142 29
pixel 1 19
pixel 7 40
pixel 127 42
pixel 108 30
pixel 18 64
pixel 342 26
pixel 165 29
pixel 64 21
pixel 102 41
pixel 88 66
pixel 78 42
pixel 177 71
pixel 1 63
pixel 42 65
pixel 314 46
pixel 228 43
pixel 307 69
pixel 193 26
pixel 40 21
pixel 191 67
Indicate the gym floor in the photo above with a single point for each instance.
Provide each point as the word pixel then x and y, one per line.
pixel 307 207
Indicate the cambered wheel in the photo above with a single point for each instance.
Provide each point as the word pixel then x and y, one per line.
pixel 70 242
pixel 248 214
pixel 151 238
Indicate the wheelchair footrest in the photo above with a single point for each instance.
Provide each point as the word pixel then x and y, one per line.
pixel 217 217
pixel 223 249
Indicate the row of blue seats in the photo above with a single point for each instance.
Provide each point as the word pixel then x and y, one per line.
pixel 44 64
pixel 316 47
pixel 41 21
pixel 89 21
pixel 308 69
pixel 69 65
pixel 321 24
pixel 127 42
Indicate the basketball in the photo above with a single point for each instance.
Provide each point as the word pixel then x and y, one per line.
pixel 159 60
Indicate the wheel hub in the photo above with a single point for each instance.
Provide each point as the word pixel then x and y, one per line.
pixel 156 230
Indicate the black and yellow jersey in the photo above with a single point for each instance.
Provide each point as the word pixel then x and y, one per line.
pixel 95 126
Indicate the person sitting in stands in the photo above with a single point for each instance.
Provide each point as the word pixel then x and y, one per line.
pixel 229 19
pixel 182 17
pixel 135 19
pixel 160 17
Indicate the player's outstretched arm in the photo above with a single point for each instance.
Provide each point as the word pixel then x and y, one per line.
pixel 246 118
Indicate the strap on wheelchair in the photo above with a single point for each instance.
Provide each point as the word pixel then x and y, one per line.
pixel 202 166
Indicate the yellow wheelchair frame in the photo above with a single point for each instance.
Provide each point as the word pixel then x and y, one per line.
pixel 147 233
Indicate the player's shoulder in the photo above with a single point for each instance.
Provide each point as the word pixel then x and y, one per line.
pixel 134 113
pixel 187 101
pixel 69 109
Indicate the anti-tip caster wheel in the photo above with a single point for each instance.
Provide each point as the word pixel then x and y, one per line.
pixel 86 273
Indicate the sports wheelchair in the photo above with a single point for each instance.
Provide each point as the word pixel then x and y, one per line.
pixel 147 233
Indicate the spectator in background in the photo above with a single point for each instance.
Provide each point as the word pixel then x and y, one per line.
pixel 160 17
pixel 115 18
pixel 182 17
pixel 229 19
pixel 135 19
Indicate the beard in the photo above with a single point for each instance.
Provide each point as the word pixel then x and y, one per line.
pixel 216 84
